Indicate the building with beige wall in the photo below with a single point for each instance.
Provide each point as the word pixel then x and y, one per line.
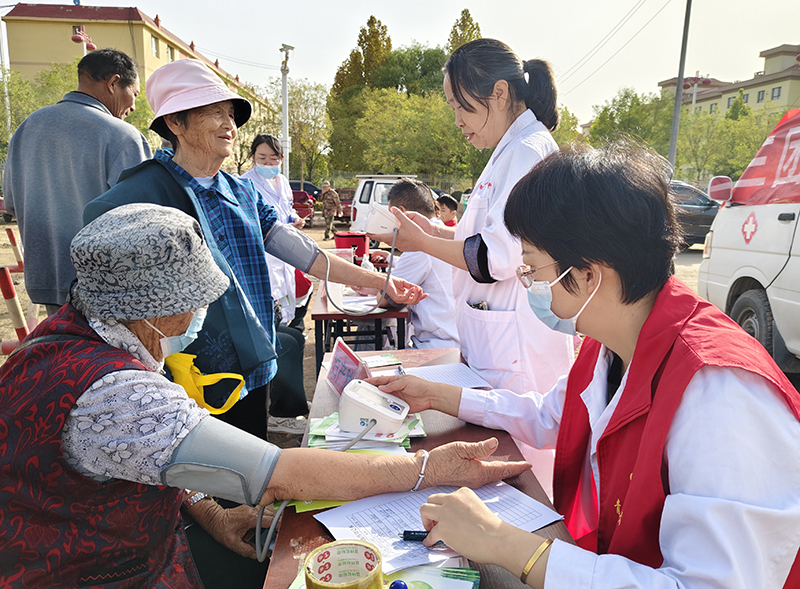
pixel 776 87
pixel 39 35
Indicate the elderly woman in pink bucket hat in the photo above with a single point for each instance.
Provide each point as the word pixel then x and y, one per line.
pixel 199 115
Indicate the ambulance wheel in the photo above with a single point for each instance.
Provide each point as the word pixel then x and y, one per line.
pixel 753 313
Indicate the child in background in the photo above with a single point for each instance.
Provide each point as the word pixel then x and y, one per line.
pixel 446 208
pixel 433 318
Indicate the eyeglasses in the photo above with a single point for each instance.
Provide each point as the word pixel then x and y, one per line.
pixel 525 273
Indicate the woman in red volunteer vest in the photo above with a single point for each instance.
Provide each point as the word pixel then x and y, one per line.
pixel 677 437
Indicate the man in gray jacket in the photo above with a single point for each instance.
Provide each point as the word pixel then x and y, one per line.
pixel 65 155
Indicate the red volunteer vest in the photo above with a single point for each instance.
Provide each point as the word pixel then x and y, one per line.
pixel 59 528
pixel 682 334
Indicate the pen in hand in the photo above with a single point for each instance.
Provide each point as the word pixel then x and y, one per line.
pixel 413 535
pixel 419 536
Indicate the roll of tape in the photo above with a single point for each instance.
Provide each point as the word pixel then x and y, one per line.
pixel 345 564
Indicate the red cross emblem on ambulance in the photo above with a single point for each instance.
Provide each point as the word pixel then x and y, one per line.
pixel 749 227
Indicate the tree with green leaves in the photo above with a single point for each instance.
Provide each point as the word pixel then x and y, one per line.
pixel 740 141
pixel 464 30
pixel 415 134
pixel 309 127
pixel 700 136
pixel 414 70
pixel 738 108
pixel 345 103
pixel 567 131
pixel 372 49
pixel 647 117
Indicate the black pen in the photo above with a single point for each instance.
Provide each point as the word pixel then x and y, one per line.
pixel 413 535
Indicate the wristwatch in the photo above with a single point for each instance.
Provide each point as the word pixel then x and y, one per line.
pixel 187 503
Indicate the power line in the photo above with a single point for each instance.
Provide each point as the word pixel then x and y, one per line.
pixel 240 61
pixel 620 49
pixel 583 60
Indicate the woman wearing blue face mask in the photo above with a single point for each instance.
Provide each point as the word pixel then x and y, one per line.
pixel 288 404
pixel 676 434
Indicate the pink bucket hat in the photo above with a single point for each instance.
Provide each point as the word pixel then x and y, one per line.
pixel 186 84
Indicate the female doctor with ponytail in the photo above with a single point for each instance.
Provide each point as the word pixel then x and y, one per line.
pixel 503 102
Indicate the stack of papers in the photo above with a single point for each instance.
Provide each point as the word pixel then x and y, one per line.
pixel 325 433
pixel 381 520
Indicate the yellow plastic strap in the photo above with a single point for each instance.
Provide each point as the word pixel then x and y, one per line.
pixel 186 374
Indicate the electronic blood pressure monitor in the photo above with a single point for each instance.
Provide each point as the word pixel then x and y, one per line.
pixel 361 401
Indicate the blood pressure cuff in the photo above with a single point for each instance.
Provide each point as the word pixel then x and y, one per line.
pixel 292 246
pixel 476 255
pixel 222 460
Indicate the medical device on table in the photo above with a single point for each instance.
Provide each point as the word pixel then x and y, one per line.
pixel 360 402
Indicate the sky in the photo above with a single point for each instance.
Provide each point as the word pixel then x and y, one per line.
pixel 596 47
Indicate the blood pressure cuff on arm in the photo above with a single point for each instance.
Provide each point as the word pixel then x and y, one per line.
pixel 476 255
pixel 292 246
pixel 222 460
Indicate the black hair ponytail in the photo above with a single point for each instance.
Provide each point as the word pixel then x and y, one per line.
pixel 541 96
pixel 475 67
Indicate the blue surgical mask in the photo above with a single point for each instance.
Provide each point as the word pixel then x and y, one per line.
pixel 178 343
pixel 540 296
pixel 268 172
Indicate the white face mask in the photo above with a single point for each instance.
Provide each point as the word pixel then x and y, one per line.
pixel 177 343
pixel 540 296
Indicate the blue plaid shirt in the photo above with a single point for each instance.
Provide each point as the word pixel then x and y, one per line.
pixel 239 221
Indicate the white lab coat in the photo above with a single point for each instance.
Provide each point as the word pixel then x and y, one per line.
pixel 278 193
pixel 732 517
pixel 433 317
pixel 507 345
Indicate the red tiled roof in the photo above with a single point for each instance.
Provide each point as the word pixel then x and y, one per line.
pixel 72 12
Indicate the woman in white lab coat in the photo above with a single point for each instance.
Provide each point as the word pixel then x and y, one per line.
pixel 287 397
pixel 499 101
pixel 274 189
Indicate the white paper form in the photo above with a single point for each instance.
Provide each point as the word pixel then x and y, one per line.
pixel 380 520
pixel 457 374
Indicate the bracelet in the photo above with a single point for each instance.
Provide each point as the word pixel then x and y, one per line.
pixel 422 470
pixel 197 497
pixel 536 555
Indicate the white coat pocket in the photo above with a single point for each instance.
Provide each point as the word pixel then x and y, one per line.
pixel 490 342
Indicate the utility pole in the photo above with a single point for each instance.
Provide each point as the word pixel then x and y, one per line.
pixel 286 141
pixel 676 112
pixel 6 73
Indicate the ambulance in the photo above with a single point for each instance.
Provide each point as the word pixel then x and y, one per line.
pixel 751 256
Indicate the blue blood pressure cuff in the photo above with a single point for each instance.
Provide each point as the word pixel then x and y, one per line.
pixel 221 460
pixel 476 255
pixel 292 246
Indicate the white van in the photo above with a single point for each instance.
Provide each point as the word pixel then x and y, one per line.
pixel 751 259
pixel 372 188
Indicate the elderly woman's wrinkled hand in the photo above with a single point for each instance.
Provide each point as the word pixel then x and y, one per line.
pixel 462 464
pixel 404 292
pixel 229 526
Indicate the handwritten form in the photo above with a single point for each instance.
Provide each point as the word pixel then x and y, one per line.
pixel 380 520
pixel 456 374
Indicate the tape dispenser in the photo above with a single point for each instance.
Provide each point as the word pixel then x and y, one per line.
pixel 361 401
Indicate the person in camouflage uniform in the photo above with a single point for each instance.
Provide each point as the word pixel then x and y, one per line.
pixel 331 208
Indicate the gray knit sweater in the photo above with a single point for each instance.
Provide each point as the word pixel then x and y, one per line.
pixel 60 158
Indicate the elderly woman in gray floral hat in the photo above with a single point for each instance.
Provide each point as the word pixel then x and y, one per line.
pixel 97 447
